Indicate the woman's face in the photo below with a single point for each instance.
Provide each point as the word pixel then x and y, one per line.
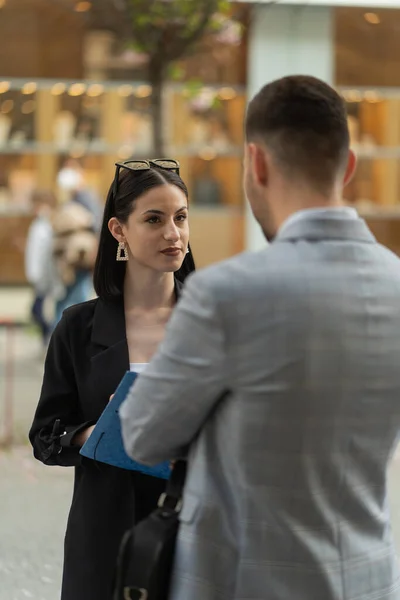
pixel 156 233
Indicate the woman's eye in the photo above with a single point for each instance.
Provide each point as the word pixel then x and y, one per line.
pixel 153 220
pixel 181 217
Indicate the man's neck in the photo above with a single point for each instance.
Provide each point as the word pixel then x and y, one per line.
pixel 294 200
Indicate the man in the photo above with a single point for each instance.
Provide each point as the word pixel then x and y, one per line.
pixel 286 491
pixel 38 251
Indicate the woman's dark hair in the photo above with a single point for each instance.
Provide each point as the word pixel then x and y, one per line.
pixel 109 274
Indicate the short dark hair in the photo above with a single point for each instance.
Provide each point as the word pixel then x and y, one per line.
pixel 109 274
pixel 303 122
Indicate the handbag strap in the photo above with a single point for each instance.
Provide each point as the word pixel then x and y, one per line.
pixel 172 498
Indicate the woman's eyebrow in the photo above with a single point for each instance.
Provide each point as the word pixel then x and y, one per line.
pixel 155 211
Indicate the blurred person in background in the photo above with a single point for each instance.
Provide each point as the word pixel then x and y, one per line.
pixel 73 188
pixel 38 258
pixel 142 262
pixel 74 253
pixel 280 370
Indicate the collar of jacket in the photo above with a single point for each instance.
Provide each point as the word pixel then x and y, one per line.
pixel 323 227
pixel 109 319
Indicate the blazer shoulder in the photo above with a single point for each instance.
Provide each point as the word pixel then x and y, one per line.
pixel 229 273
pixel 243 277
pixel 74 330
pixel 80 312
pixel 78 318
pixel 388 255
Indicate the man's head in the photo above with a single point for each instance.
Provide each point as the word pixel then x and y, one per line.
pixel 297 139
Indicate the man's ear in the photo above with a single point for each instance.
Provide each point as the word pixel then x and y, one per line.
pixel 258 164
pixel 351 167
pixel 115 229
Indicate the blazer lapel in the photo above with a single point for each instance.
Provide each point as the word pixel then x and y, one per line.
pixel 110 360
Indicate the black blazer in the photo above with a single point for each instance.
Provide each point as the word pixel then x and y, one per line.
pixel 86 359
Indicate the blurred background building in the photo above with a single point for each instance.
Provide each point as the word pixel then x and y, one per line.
pixel 73 93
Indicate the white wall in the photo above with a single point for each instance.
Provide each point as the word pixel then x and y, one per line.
pixel 287 40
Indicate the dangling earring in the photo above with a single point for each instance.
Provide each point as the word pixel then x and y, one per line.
pixel 122 253
pixel 188 250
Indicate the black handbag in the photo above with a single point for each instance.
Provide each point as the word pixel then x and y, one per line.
pixel 146 553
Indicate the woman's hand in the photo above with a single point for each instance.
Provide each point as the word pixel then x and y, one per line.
pixel 83 436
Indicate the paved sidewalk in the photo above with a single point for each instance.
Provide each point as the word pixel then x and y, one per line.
pixel 34 499
pixel 25 348
pixel 34 503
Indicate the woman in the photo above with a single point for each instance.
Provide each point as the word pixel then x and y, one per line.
pixel 144 240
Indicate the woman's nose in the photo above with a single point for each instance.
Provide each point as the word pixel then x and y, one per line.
pixel 172 233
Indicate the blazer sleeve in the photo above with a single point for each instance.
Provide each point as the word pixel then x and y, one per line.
pixel 172 398
pixel 58 416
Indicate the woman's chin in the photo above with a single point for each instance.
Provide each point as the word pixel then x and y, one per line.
pixel 172 264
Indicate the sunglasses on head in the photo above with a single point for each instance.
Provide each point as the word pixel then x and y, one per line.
pixel 169 164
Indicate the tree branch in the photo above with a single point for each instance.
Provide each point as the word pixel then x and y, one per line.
pixel 181 43
pixel 151 37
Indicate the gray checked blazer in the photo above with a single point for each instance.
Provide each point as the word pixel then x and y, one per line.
pixel 286 496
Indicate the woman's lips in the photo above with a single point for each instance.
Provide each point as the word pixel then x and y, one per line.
pixel 171 251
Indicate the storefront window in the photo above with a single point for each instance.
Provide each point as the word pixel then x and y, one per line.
pixel 98 123
pixel 17 108
pixel 367 45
